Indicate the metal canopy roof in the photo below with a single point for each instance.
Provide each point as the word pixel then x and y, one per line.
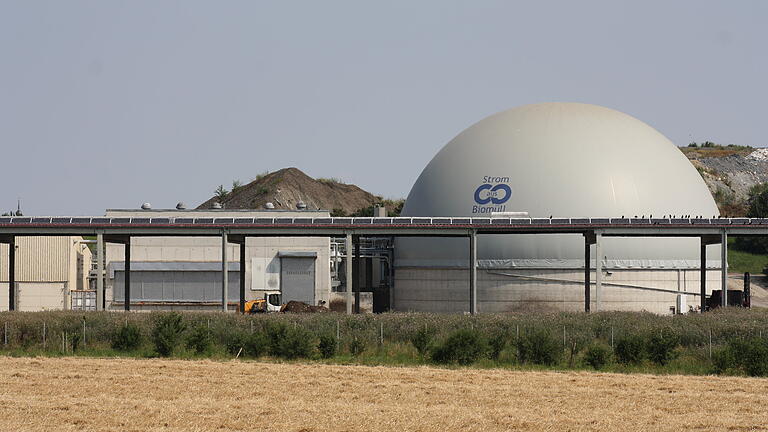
pixel 398 226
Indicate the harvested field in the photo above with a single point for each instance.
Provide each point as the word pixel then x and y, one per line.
pixel 67 394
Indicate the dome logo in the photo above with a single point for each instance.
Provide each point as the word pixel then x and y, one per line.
pixel 494 191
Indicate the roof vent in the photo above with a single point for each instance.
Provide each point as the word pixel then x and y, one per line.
pixel 146 206
pixel 216 206
pixel 301 205
pixel 269 206
pixel 181 206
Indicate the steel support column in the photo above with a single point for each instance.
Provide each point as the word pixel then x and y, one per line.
pixel 224 271
pixel 369 279
pixel 473 272
pixel 242 276
pixel 724 266
pixel 598 271
pixel 587 275
pixel 127 305
pixel 12 273
pixel 348 271
pixel 100 271
pixel 356 272
pixel 703 274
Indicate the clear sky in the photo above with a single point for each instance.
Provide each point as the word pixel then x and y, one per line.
pixel 108 104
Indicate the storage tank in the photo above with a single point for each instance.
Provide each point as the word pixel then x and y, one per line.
pixel 560 160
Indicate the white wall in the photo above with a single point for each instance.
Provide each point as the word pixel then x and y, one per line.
pixel 447 290
pixel 208 249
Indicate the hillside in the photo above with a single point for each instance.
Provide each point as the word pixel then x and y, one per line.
pixel 729 172
pixel 286 187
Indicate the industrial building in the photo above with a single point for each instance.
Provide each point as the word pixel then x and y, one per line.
pixel 554 206
pixel 555 160
pixel 50 273
pixel 179 272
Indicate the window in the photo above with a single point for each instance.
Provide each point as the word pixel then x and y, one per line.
pixel 274 299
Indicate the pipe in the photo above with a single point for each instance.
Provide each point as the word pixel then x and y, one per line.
pixel 547 279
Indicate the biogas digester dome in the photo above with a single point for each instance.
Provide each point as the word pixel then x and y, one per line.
pixel 560 160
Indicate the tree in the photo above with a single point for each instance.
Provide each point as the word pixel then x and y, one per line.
pixel 236 184
pixel 757 208
pixel 221 192
pixel 758 201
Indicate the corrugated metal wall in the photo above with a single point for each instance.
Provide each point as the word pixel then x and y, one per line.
pixel 38 259
pixel 176 286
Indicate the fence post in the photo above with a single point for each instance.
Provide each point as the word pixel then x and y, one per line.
pixel 611 337
pixel 564 336
pixel 44 335
pixel 5 333
pixel 338 336
pixel 83 332
pixel 381 335
pixel 710 343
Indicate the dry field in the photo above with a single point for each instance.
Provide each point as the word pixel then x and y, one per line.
pixel 76 394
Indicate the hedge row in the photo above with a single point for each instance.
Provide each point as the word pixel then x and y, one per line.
pixel 732 338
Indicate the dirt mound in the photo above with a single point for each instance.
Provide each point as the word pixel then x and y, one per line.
pixel 286 187
pixel 301 307
pixel 730 177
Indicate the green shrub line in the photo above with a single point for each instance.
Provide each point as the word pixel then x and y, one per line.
pixel 732 341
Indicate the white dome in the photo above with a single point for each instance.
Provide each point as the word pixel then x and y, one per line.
pixel 561 160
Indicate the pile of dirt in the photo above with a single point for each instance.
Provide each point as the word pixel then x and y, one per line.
pixel 301 307
pixel 730 177
pixel 287 187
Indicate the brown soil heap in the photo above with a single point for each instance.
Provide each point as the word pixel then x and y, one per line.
pixel 286 187
pixel 294 306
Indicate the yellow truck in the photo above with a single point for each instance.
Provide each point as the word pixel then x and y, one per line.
pixel 270 303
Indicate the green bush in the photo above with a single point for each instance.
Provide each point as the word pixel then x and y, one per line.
pixel 235 341
pixel 327 345
pixel 597 356
pixel 496 344
pixel 422 340
pixel 753 356
pixel 75 339
pixel 26 332
pixel 167 333
pixel 661 347
pixel 127 338
pixel 247 344
pixel 723 360
pixel 538 347
pixel 463 347
pixel 276 333
pixel 629 349
pixel 747 355
pixel 256 344
pixel 201 339
pixel 356 346
pixel 292 343
pixel 576 343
